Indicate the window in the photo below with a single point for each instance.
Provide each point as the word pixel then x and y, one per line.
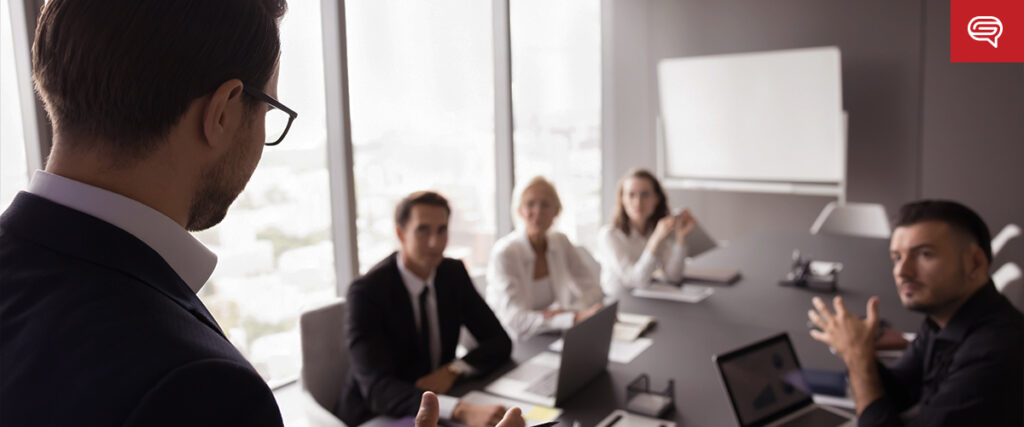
pixel 556 99
pixel 421 84
pixel 274 248
pixel 13 165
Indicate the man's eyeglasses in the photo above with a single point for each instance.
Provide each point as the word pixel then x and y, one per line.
pixel 279 118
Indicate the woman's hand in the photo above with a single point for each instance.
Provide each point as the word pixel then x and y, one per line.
pixel 685 222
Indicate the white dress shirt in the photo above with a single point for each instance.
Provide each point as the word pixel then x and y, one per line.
pixel 185 254
pixel 519 300
pixel 415 286
pixel 626 264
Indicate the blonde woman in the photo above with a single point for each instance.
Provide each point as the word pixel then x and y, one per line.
pixel 536 279
pixel 643 236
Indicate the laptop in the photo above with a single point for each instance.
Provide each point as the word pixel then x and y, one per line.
pixel 548 378
pixel 699 241
pixel 766 387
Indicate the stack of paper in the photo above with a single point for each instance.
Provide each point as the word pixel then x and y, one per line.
pixel 630 326
pixel 533 414
pixel 687 293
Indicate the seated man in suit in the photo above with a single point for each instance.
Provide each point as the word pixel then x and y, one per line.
pixel 404 320
pixel 158 110
pixel 965 366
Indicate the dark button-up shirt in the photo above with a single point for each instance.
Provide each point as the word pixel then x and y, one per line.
pixel 969 373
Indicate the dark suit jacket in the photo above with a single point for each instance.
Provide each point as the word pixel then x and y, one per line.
pixel 97 330
pixel 382 338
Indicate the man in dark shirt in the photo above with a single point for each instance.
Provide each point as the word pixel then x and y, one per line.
pixel 966 366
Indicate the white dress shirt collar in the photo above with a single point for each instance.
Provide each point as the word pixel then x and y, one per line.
pixel 192 261
pixel 413 282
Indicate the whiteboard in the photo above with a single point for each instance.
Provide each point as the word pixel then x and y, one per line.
pixel 768 116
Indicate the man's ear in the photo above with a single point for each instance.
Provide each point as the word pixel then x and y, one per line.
pixel 224 113
pixel 977 263
pixel 398 233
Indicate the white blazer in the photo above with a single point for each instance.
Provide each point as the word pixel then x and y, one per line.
pixel 510 273
pixel 626 264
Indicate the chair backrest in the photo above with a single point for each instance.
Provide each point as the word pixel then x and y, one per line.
pixel 590 261
pixel 1005 275
pixel 1007 233
pixel 325 360
pixel 853 219
pixel 1008 280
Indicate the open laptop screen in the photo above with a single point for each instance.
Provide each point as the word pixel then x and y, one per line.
pixel 763 380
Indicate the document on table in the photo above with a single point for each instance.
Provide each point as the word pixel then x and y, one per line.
pixel 630 326
pixel 533 414
pixel 686 293
pixel 622 418
pixel 619 352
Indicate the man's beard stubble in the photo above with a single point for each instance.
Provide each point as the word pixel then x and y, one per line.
pixel 219 186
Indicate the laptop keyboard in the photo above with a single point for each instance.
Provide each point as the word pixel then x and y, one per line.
pixel 544 386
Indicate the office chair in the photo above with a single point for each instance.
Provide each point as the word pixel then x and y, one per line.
pixel 1005 235
pixel 325 362
pixel 853 219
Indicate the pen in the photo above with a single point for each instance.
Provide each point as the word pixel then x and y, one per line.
pixel 546 424
pixel 613 421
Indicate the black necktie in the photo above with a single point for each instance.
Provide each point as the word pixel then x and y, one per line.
pixel 425 331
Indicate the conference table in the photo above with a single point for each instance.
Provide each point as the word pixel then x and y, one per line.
pixel 687 335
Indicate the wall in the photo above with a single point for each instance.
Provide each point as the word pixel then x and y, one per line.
pixel 973 133
pixel 906 103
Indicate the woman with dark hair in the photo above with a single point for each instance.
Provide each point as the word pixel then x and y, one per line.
pixel 643 236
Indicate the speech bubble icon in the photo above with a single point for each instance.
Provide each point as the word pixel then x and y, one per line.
pixel 985 29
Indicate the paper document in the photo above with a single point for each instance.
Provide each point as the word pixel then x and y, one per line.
pixel 687 293
pixel 533 414
pixel 619 352
pixel 839 402
pixel 622 418
pixel 630 326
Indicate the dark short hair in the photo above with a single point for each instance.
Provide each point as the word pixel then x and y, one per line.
pixel 404 209
pixel 958 216
pixel 125 71
pixel 621 219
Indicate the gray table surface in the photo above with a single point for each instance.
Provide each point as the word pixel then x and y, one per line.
pixel 686 335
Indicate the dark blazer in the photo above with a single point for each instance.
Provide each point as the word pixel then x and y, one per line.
pixel 97 330
pixel 382 338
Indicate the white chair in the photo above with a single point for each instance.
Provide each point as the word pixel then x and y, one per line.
pixel 325 362
pixel 1007 233
pixel 1005 275
pixel 853 219
pixel 1008 281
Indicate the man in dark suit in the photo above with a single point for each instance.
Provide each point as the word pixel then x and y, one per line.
pixel 158 110
pixel 404 321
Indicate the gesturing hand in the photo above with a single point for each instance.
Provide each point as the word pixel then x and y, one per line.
pixel 684 224
pixel 850 335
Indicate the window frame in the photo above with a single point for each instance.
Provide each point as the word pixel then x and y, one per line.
pixel 38 135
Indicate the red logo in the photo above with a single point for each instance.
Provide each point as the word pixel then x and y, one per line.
pixel 986 30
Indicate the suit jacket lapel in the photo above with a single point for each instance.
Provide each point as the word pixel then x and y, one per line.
pixel 399 296
pixel 447 310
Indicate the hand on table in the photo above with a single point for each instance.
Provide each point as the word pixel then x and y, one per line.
pixel 584 314
pixel 439 381
pixel 487 415
pixel 552 312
